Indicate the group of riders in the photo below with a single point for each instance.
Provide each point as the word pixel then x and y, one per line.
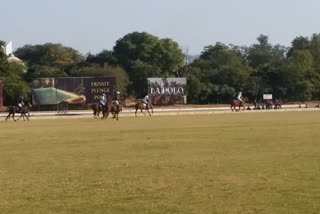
pixel 268 104
pixel 103 101
pixel 117 100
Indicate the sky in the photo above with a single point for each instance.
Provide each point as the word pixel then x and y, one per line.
pixel 95 25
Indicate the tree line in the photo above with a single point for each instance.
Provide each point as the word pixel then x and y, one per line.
pixel 290 73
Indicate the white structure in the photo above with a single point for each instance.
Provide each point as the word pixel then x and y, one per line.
pixel 8 50
pixel 13 58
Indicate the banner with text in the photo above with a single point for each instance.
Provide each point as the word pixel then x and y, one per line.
pixel 167 91
pixel 73 90
pixel 96 86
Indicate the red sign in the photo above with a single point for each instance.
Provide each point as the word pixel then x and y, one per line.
pixel 1 97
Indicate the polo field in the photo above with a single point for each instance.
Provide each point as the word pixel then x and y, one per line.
pixel 266 162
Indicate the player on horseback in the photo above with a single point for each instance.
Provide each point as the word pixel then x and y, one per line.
pixel 117 99
pixel 239 97
pixel 239 102
pixel 144 104
pixel 103 102
pixel 145 101
pixel 20 104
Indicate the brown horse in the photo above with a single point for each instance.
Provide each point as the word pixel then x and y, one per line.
pixel 97 108
pixel 114 109
pixel 96 111
pixel 141 106
pixel 236 103
pixel 25 112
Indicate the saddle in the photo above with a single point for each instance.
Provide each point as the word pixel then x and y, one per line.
pixel 144 105
pixel 18 110
pixel 238 101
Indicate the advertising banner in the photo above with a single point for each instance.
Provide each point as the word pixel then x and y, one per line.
pixel 167 91
pixel 73 90
pixel 96 86
pixel 267 96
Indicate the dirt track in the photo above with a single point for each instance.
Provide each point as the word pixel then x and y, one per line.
pixel 170 113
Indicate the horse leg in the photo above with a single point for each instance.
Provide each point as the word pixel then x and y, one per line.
pixel 106 114
pixel 136 112
pixel 8 117
pixel 151 107
pixel 21 116
pixel 149 112
pixel 142 111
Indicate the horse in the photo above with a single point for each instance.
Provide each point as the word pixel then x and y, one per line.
pixel 278 104
pixel 114 109
pixel 236 103
pixel 97 108
pixel 142 106
pixel 24 111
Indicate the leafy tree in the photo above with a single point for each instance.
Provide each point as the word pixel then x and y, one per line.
pixel 299 43
pixel 194 88
pixel 48 60
pixel 135 46
pixel 297 71
pixel 104 57
pixel 42 71
pixel 13 85
pixel 315 51
pixel 261 53
pixel 49 55
pixel 168 57
pixel 222 70
pixel 139 74
pixel 144 55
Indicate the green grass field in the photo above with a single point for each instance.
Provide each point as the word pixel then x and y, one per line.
pixel 232 163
